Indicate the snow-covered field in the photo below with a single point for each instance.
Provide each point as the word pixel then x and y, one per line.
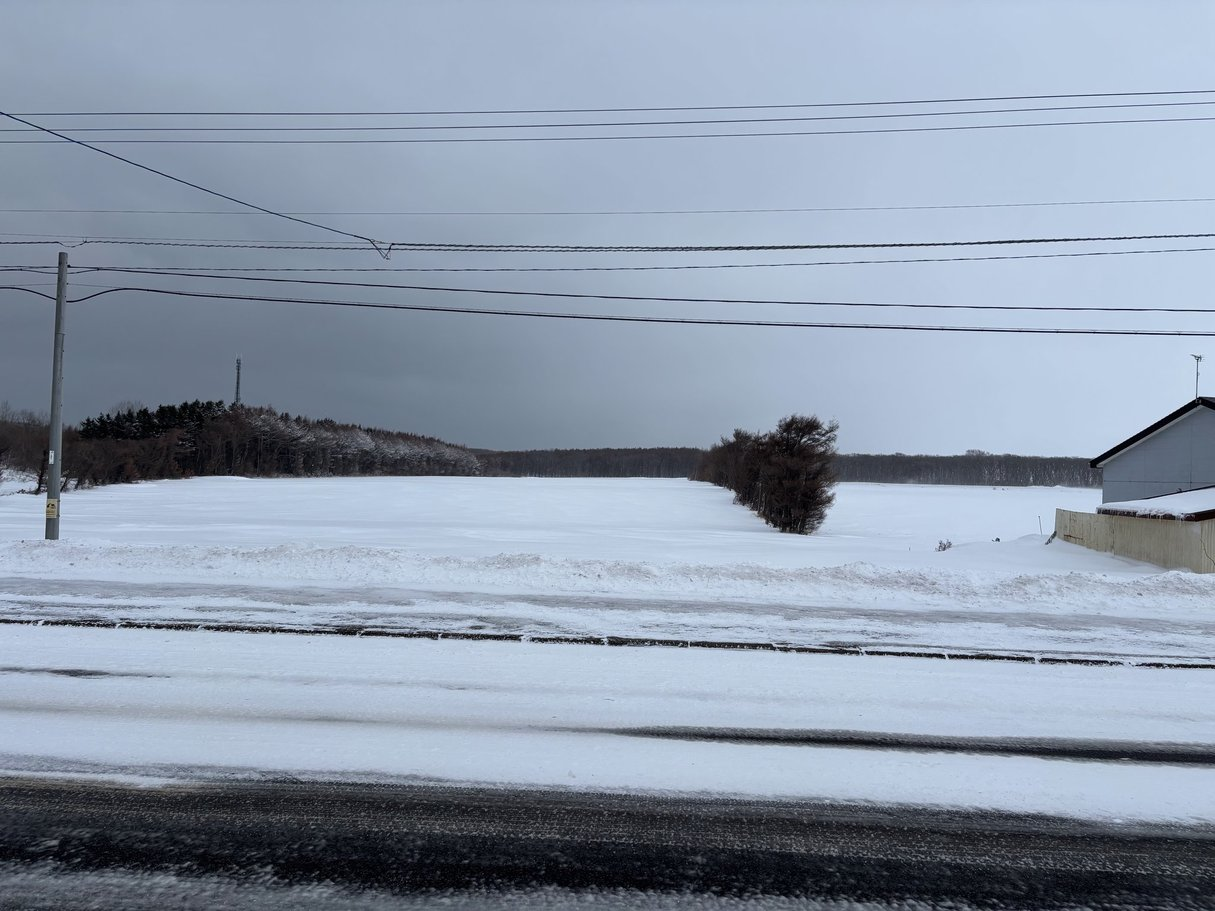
pixel 661 558
pixel 669 559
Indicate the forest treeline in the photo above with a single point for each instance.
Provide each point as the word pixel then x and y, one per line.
pixel 974 468
pixel 211 438
pixel 785 476
pixel 200 438
pixel 651 462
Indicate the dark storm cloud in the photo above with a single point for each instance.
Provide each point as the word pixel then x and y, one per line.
pixel 500 382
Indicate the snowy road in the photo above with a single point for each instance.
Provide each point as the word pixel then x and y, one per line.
pixel 305 847
pixel 1092 742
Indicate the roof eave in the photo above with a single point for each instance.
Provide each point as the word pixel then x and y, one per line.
pixel 1201 402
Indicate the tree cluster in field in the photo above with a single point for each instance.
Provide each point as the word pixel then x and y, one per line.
pixel 786 475
pixel 651 462
pixel 975 468
pixel 23 437
pixel 210 438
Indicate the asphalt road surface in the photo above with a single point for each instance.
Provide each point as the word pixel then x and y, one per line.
pixel 304 845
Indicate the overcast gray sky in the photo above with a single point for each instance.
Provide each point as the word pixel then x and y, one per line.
pixel 506 382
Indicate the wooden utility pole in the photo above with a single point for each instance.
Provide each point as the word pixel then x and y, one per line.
pixel 55 447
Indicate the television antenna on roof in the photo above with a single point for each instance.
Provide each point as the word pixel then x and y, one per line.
pixel 1197 360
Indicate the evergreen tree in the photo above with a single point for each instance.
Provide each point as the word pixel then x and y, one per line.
pixel 786 476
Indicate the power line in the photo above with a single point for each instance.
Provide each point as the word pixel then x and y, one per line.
pixel 752 134
pixel 27 290
pixel 620 318
pixel 182 181
pixel 702 266
pixel 618 110
pixel 583 213
pixel 168 270
pixel 236 245
pixel 650 298
pixel 720 121
pixel 159 238
pixel 387 247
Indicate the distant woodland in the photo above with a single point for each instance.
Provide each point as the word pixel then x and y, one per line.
pixel 654 462
pixel 975 467
pixel 211 438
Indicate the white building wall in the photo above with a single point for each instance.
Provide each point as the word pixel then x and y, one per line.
pixel 1180 457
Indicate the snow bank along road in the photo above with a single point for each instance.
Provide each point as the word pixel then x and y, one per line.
pixel 1109 743
pixel 628 558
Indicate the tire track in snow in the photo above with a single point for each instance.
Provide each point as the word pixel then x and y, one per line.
pixel 1039 747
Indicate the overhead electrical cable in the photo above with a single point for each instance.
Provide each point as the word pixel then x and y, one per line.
pixel 387 247
pixel 546 269
pixel 588 212
pixel 620 110
pixel 653 298
pixel 748 134
pixel 191 184
pixel 719 121
pixel 159 238
pixel 236 245
pixel 703 266
pixel 622 318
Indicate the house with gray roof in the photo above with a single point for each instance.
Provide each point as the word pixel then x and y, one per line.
pixel 1175 454
pixel 1157 494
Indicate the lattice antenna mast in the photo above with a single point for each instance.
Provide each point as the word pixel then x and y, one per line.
pixel 236 398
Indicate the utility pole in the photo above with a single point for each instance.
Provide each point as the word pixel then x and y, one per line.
pixel 55 447
pixel 1197 360
pixel 236 399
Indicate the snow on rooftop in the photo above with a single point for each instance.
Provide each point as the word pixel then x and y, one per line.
pixel 1189 505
